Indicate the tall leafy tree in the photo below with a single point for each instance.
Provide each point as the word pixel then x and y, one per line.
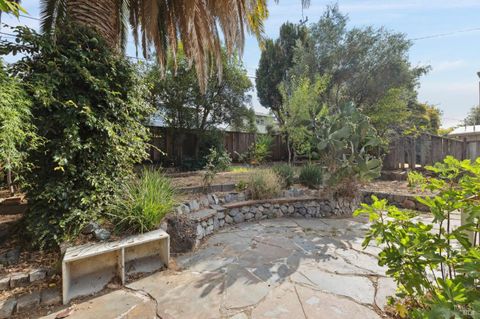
pixel 182 104
pixel 368 67
pixel 301 104
pixel 275 61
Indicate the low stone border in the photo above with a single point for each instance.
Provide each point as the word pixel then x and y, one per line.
pixel 36 282
pixel 209 189
pixel 29 301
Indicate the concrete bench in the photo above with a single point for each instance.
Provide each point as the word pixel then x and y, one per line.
pixel 87 269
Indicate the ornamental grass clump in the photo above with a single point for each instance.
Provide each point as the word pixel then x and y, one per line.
pixel 264 184
pixel 144 203
pixel 311 176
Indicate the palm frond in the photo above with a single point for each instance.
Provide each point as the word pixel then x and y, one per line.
pixel 161 24
pixel 51 11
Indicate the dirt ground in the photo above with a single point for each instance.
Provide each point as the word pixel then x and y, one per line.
pixel 394 187
pixel 195 179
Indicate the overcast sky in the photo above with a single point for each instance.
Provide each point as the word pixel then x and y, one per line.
pixel 451 41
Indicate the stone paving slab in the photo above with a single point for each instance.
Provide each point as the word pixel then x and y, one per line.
pixel 282 268
pixel 119 304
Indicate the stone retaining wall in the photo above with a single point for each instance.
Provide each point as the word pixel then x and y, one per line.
pixel 187 229
pixel 197 219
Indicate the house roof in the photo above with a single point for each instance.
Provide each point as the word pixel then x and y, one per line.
pixel 466 130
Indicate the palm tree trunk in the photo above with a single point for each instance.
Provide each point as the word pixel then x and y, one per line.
pixel 101 15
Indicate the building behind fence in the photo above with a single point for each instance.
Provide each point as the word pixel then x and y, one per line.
pixel 170 145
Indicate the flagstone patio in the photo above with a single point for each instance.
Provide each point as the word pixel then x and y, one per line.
pixel 281 268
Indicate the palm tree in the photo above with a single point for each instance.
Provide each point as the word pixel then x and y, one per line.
pixel 162 24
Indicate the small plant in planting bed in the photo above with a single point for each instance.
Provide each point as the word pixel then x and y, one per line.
pixel 311 175
pixel 217 161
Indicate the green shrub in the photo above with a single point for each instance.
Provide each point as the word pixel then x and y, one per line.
pixel 286 174
pixel 414 179
pixel 413 251
pixel 17 133
pixel 311 176
pixel 261 149
pixel 241 186
pixel 89 106
pixel 264 184
pixel 349 146
pixel 217 161
pixel 144 202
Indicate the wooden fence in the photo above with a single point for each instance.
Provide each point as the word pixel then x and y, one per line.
pixel 426 149
pixel 174 146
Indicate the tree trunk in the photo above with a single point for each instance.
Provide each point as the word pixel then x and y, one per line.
pixel 101 15
pixel 289 149
pixel 9 179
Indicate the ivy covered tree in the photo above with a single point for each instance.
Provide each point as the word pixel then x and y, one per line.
pixel 88 105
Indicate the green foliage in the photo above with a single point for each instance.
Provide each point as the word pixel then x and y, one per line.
pixel 264 184
pixel 180 102
pixel 285 173
pixel 414 179
pixel 349 145
pixel 88 106
pixel 275 61
pixel 390 114
pixel 17 134
pixel 423 118
pixel 143 203
pixel 444 131
pixel 301 102
pixel 436 265
pixel 368 67
pixel 241 186
pixel 217 161
pixel 311 175
pixel 13 7
pixel 473 117
pixel 261 149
